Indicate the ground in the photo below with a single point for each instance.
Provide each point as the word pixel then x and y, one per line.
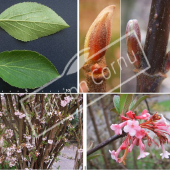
pixel 66 158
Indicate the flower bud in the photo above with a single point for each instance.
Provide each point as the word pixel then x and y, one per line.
pixel 99 34
pixel 167 62
pixel 96 69
pixel 133 47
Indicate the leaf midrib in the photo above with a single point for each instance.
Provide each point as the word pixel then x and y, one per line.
pixel 24 68
pixel 1 20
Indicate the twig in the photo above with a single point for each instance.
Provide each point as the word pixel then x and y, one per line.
pixel 147 105
pixel 106 142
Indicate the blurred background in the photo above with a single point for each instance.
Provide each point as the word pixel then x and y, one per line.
pixel 99 119
pixel 89 10
pixel 140 10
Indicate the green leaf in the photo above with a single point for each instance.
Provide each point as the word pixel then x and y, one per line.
pixel 114 110
pixel 26 69
pixel 125 100
pixel 116 100
pixel 136 102
pixel 93 156
pixel 133 103
pixel 28 21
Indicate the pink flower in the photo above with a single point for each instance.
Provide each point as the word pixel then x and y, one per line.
pixel 19 151
pixel 164 128
pixel 143 154
pixel 2 125
pixel 63 103
pixel 50 141
pixel 70 117
pixel 68 99
pixel 123 118
pixel 17 113
pixel 165 154
pixel 132 145
pixel 123 145
pixel 45 138
pixel 21 116
pixel 144 116
pixel 161 122
pixel 118 127
pixel 130 114
pixel 114 155
pixel 131 127
pixel 1 114
pixel 9 133
pixel 140 133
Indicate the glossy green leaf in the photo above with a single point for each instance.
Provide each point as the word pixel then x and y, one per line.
pixel 125 100
pixel 116 100
pixel 29 21
pixel 136 102
pixel 26 69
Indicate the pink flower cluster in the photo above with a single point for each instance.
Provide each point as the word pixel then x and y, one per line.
pixel 19 114
pixel 9 133
pixel 66 101
pixel 137 132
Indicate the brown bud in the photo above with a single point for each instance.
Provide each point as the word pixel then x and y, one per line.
pixel 96 69
pixel 133 48
pixel 99 34
pixel 167 62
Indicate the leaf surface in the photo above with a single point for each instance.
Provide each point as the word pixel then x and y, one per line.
pixel 26 69
pixel 136 102
pixel 116 100
pixel 125 100
pixel 29 21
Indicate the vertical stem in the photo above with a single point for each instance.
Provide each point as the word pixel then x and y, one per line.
pixel 107 122
pixel 97 133
pixel 157 35
pixel 155 47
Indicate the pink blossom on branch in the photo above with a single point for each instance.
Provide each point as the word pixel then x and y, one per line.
pixel 50 141
pixel 165 153
pixel 118 128
pixel 143 154
pixel 130 114
pixel 138 131
pixel 145 115
pixel 131 127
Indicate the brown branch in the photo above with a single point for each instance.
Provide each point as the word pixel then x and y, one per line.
pixel 155 47
pixel 103 144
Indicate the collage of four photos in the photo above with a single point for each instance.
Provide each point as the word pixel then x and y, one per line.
pixel 84 84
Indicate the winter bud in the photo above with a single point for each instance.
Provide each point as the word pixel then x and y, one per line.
pixel 99 34
pixel 133 47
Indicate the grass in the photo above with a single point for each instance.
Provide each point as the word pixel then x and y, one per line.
pixel 162 106
pixel 165 105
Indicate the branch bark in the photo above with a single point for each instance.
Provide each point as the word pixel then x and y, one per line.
pixel 155 47
pixel 106 142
